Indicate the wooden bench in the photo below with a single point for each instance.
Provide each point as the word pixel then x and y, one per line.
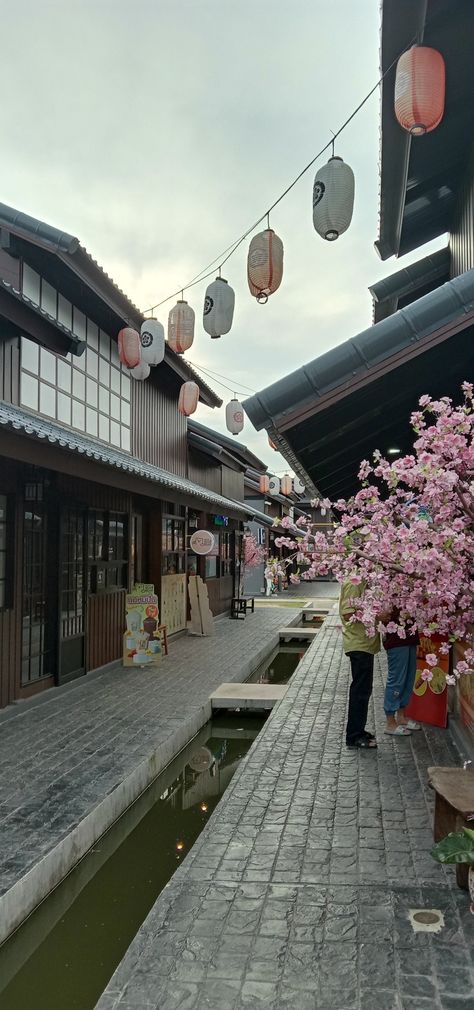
pixel 240 605
pixel 454 788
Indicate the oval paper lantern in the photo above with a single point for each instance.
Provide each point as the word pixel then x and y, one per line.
pixel 420 86
pixel 274 487
pixel 286 484
pixel 141 371
pixel 152 339
pixel 181 327
pixel 129 347
pixel 265 264
pixel 333 199
pixel 234 417
pixel 188 398
pixel 264 483
pixel 218 308
pixel 298 486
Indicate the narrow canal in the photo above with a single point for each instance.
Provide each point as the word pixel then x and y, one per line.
pixel 65 953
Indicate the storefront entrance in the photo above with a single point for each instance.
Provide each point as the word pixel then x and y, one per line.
pixel 72 595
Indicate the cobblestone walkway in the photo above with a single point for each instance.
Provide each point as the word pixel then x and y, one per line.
pixel 297 893
pixel 61 757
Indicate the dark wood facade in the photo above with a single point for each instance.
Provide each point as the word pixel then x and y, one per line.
pixel 159 431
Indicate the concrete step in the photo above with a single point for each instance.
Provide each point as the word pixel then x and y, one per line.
pixel 247 696
pixel 288 633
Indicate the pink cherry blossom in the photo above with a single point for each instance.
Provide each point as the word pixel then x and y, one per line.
pixel 427 675
pixel 431 659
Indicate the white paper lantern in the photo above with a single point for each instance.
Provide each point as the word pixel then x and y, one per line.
pixel 264 264
pixel 152 339
pixel 218 308
pixel 188 398
pixel 298 486
pixel 286 484
pixel 274 487
pixel 234 416
pixel 333 199
pixel 181 327
pixel 141 371
pixel 129 347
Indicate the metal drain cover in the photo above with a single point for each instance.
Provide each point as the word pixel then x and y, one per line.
pixel 426 920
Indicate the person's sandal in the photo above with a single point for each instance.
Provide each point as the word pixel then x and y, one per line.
pixel 363 743
pixel 398 731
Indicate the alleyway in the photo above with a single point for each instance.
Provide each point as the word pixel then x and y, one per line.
pixel 297 893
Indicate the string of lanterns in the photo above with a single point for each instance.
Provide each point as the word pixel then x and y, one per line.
pixel 285 486
pixel 419 102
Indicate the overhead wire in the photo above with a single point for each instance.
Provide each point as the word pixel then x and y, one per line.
pixel 226 254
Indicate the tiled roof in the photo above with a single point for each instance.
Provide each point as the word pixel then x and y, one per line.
pixel 41 429
pixel 20 297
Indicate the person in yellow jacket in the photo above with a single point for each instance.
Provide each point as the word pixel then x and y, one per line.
pixel 361 649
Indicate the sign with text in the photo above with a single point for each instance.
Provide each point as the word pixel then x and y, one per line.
pixel 202 542
pixel 141 640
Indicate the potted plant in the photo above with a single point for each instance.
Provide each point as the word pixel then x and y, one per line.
pixel 458 847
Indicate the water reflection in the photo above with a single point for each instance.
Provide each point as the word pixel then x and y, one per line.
pixel 66 952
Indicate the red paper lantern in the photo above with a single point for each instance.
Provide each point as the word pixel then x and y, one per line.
pixel 420 87
pixel 129 347
pixel 264 264
pixel 188 398
pixel 264 483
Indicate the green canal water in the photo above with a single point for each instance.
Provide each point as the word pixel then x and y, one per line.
pixel 64 955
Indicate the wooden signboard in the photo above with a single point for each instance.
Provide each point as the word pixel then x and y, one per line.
pixel 202 621
pixel 173 603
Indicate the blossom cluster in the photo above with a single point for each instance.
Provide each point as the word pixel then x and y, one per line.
pixel 408 533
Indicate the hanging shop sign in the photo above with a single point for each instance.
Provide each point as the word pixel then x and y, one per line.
pixel 141 640
pixel 429 701
pixel 221 521
pixel 202 542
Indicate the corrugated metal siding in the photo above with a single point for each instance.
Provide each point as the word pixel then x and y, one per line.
pixel 462 237
pixel 159 431
pixel 232 484
pixel 10 369
pixel 105 627
pixel 202 472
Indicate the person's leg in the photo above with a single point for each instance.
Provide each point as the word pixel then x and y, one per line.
pixel 362 669
pixel 397 662
pixel 407 690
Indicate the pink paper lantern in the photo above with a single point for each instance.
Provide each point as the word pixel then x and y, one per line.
pixel 181 327
pixel 286 484
pixel 264 483
pixel 420 86
pixel 188 398
pixel 265 264
pixel 129 347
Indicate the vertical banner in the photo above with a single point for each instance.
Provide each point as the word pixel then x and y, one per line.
pixel 429 701
pixel 141 640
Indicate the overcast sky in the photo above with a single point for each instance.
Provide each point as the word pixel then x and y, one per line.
pixel 157 131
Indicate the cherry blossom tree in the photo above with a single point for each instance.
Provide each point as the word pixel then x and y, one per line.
pixel 408 533
pixel 252 555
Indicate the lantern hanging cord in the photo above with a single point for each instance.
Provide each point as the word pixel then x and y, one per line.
pixel 224 256
pixel 218 382
pixel 210 371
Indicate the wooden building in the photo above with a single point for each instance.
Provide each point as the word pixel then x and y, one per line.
pixel 99 480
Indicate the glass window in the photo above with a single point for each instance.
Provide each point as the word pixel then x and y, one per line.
pixel 78 415
pixel 226 553
pixel 49 298
pixel 29 391
pixel 104 345
pixel 92 363
pixel 78 384
pixel 64 376
pixel 104 400
pixel 79 323
pixel 92 335
pixel 31 284
pixel 92 393
pixel 64 311
pixel 104 428
pixel 114 407
pixel 104 372
pixel 115 433
pixel 211 568
pixel 64 408
pixel 115 380
pixel 47 400
pixel 107 551
pixel 126 380
pixel 91 421
pixel 47 366
pixel 125 412
pixel 29 355
pixel 125 435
